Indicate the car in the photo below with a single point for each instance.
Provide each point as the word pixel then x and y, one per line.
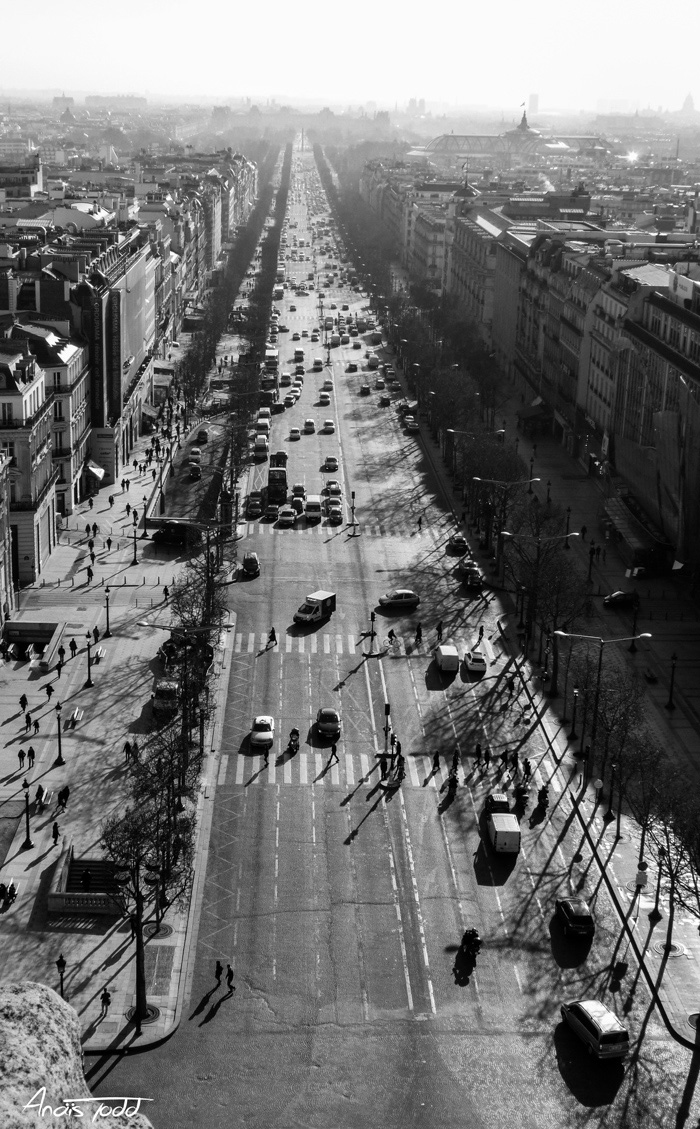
pixel 180 533
pixel 251 564
pixel 196 455
pixel 458 542
pixel 447 657
pixel 328 385
pixel 324 399
pixel 380 384
pixel 473 578
pixel 598 1027
pixel 364 390
pixel 331 462
pixel 262 733
pixel 328 426
pixel 298 490
pixel 476 662
pixel 328 722
pixel 411 425
pixel 384 401
pixel 292 309
pixel 333 488
pixel 345 306
pixel 344 339
pixel 352 367
pixel 309 426
pixel 195 472
pixel 621 600
pixel 400 598
pixel 304 333
pixel 289 400
pixel 333 306
pixel 356 344
pixel 355 333
pixel 272 512
pixel 287 515
pixel 299 370
pixel 285 379
pixel 296 337
pixel 335 515
pixel 314 337
pixel 575 916
pixel 497 803
pixel 254 505
pixel 297 504
pixel 283 329
pixel 295 433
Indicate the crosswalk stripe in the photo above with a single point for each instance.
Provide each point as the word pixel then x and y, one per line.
pixel 288 645
pixel 319 766
pixel 364 765
pixel 338 644
pixel 413 769
pixel 251 643
pixel 288 771
pixel 239 770
pixel 303 768
pixel 351 645
pixel 301 644
pixel 349 769
pixel 326 645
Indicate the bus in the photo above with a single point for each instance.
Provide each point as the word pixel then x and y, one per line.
pixel 272 358
pixel 281 274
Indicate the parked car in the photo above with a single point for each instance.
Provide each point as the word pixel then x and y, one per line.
pixel 364 390
pixel 458 543
pixel 621 600
pixel 598 1027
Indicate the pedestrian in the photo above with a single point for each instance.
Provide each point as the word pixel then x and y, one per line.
pixel 31 756
pixel 597 552
pixel 487 758
pixel 527 768
pixel 398 748
pixel 62 653
pixel 94 529
pixel 55 832
pixel 109 544
pixel 153 474
pixel 23 703
pixel 218 972
pixel 49 690
pixel 73 648
pixel 105 1000
pixel 438 630
pixel 59 668
pixel 515 768
pixel 36 726
pixel 89 574
pixel 334 752
pixel 90 503
pixel 136 516
pixel 135 751
pixel 383 769
pixel 272 638
pixel 128 486
pixel 127 751
pixel 136 464
pixel 455 760
pixel 481 631
pixel 477 752
pixel 40 797
pixel 111 501
pixel 87 530
pixel 419 635
pixel 420 523
pixel 436 762
pixel 96 634
pixel 511 686
pixel 166 593
pixel 229 978
pixel 92 558
pixel 584 531
pixel 66 795
pixel 20 757
pixel 27 722
pixel 128 508
pixel 122 485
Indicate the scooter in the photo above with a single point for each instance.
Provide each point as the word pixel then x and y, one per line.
pixel 293 744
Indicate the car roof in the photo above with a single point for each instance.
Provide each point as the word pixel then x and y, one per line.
pixel 603 1016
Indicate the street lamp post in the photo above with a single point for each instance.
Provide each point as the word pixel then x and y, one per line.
pixel 61 966
pixel 670 704
pixel 532 466
pixel 633 646
pixel 549 489
pixel 89 684
pixel 27 844
pixel 135 560
pixel 108 633
pixel 59 710
pixel 573 734
pixel 568 519
pixel 610 813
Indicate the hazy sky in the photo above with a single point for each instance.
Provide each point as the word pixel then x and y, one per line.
pixel 466 53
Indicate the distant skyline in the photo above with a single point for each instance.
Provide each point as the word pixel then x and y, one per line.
pixel 608 54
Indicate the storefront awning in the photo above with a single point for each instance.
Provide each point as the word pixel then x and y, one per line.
pixel 98 471
pixel 149 411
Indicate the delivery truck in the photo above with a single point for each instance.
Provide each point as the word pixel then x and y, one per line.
pixel 316 607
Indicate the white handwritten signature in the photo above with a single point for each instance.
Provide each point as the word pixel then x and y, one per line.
pixel 72 1107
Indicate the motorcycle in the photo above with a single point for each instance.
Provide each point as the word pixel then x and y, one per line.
pixel 465 960
pixel 293 744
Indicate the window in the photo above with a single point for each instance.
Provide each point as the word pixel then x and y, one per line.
pixel 58 409
pixel 7 414
pixel 57 380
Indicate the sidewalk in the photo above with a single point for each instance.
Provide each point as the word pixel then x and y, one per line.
pixel 98 953
pixel 672 972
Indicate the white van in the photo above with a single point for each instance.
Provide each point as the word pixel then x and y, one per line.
pixel 447 657
pixel 313 508
pixel 318 364
pixel 262 427
pixel 262 447
pixel 504 832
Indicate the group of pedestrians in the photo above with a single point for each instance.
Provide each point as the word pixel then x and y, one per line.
pixel 219 972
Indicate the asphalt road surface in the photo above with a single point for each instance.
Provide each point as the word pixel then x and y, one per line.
pixel 341 907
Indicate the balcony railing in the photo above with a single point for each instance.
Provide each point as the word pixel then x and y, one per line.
pixel 34 504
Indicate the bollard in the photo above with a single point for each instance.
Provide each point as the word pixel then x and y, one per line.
pixel 72 582
pixel 103 581
pixel 124 581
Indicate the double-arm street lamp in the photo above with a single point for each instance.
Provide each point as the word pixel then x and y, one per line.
pixel 596 701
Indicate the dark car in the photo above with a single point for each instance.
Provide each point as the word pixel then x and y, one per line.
pixel 576 917
pixel 458 543
pixel 384 401
pixel 622 600
pixel 177 533
pixel 251 564
pixel 364 390
pixel 497 802
pixel 352 367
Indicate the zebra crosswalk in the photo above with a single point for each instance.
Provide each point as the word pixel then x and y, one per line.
pixel 327 643
pixel 325 529
pixel 351 770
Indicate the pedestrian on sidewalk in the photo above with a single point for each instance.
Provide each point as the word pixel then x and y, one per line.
pixel 109 544
pixel 436 761
pixel 153 474
pixel 96 634
pixel 419 523
pixel 73 648
pixel 584 531
pixel 111 501
pixel 128 508
pixel 94 529
pixel 36 725
pixel 487 758
pixel 55 832
pixel 481 631
pixel 597 552
pixel 49 690
pixel 218 973
pixel 105 1000
pixel 127 751
pixel 135 751
pixel 92 557
pixel 438 631
pixel 128 486
pixel 89 574
pixel 62 653
pixel 419 635
pixel 122 484
pixel 31 756
pixel 135 516
pixel 229 978
pixel 514 765
pixel 136 464
pixel 20 757
pixel 27 722
pixel 39 798
pixel 166 593
pixel 64 796
pixel 59 668
pixel 23 703
pixel 134 923
pixel 90 503
pixel 87 530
